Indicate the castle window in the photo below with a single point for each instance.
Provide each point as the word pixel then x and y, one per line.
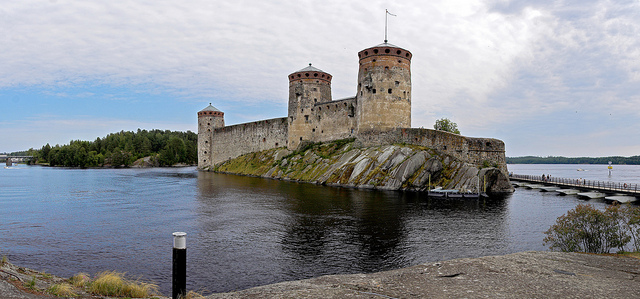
pixel 387 51
pixel 407 55
pixel 315 89
pixel 208 124
pixel 300 138
pixel 374 60
pixel 276 144
pixel 301 110
pixel 389 91
pixel 322 76
pixel 205 152
pixel 313 130
pixel 399 61
pixel 315 74
pixel 375 51
pixel 319 108
pixel 306 118
pixel 398 52
pixel 361 93
pixel 307 74
pixel 208 130
pixel 374 90
pixel 386 68
pixel 397 83
pixel 366 52
pixel 206 141
pixel 299 75
pixel 352 111
pixel 264 139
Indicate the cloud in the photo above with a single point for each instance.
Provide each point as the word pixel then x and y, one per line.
pixel 495 67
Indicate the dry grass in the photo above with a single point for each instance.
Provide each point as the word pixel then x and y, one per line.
pixel 4 260
pixel 193 295
pixel 111 283
pixel 80 280
pixel 62 290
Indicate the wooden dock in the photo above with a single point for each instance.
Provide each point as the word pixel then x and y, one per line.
pixel 584 185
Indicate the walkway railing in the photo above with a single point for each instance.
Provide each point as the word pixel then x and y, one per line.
pixel 581 183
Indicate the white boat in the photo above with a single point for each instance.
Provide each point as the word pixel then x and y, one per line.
pixel 621 198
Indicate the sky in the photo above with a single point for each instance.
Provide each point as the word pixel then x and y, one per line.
pixel 549 78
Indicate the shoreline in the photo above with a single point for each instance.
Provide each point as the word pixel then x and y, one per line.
pixel 530 274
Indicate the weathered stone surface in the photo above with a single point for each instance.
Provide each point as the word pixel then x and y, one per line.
pixel 518 275
pixel 389 167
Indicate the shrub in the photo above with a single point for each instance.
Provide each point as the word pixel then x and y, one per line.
pixel 631 221
pixel 587 229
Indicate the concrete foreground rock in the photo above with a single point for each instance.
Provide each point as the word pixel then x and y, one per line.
pixel 518 275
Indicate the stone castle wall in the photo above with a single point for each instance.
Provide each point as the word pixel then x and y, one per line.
pixel 468 149
pixel 232 141
pixel 334 120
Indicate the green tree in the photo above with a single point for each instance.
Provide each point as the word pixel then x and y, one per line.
pixel 587 229
pixel 444 124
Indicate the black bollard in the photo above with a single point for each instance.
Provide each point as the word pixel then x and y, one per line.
pixel 179 265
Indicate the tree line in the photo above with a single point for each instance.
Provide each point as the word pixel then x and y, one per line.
pixel 121 149
pixel 633 160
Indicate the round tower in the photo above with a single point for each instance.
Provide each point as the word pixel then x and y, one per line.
pixel 307 87
pixel 384 88
pixel 209 119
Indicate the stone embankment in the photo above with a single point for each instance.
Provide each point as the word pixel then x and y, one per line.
pixel 518 275
pixel 387 167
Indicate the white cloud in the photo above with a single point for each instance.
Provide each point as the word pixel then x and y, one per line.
pixel 488 65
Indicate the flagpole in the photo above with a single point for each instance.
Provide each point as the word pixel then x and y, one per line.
pixel 386 15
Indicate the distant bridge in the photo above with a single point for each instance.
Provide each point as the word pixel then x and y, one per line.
pixel 587 185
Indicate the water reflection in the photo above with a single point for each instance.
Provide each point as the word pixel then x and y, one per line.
pixel 262 231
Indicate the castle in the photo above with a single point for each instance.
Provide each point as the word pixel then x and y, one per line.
pixel 379 113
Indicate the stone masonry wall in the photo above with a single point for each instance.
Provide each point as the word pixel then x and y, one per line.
pixel 468 149
pixel 334 120
pixel 232 141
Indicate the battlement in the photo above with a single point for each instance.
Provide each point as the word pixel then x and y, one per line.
pixel 211 113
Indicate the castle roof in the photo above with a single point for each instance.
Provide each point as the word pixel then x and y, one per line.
pixel 210 108
pixel 310 69
pixel 385 44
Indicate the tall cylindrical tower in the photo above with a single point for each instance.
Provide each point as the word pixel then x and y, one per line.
pixel 384 88
pixel 307 87
pixel 209 119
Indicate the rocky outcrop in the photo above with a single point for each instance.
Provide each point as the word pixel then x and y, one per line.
pixel 386 167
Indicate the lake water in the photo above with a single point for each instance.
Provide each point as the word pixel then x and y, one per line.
pixel 245 232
